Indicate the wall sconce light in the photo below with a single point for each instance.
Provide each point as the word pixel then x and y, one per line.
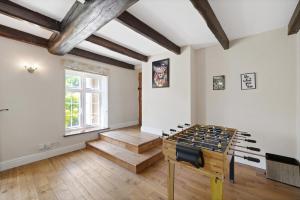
pixel 31 69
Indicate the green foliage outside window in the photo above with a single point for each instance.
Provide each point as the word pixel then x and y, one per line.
pixel 72 103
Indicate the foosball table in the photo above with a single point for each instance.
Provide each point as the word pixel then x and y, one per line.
pixel 209 150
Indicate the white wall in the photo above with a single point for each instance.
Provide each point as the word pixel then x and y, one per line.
pixel 268 112
pixel 165 108
pixel 36 101
pixel 298 96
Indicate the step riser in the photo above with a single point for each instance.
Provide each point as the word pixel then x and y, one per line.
pixel 125 145
pixel 149 162
pixel 135 169
pixel 137 149
pixel 113 159
pixel 150 145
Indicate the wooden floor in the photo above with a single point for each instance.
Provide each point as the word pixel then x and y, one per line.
pixel 85 175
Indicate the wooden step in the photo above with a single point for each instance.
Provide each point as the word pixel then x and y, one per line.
pixel 130 160
pixel 132 140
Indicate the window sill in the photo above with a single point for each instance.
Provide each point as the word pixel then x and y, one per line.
pixel 84 131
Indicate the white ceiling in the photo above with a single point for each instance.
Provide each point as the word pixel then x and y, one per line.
pixel 175 19
pixel 241 18
pixel 56 9
pixel 178 20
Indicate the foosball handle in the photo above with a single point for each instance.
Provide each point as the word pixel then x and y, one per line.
pixel 186 124
pixel 253 149
pixel 172 130
pixel 179 126
pixel 252 159
pixel 165 134
pixel 246 134
pixel 251 141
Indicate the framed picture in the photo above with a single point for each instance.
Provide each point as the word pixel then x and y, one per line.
pixel 219 82
pixel 161 73
pixel 248 81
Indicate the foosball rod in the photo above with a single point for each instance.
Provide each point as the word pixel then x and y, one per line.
pixel 195 142
pixel 243 133
pixel 203 142
pixel 214 139
pixel 202 137
pixel 246 147
pixel 217 150
pixel 249 158
pixel 255 154
pixel 246 140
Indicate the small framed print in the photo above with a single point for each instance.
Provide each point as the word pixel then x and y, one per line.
pixel 219 82
pixel 161 73
pixel 248 81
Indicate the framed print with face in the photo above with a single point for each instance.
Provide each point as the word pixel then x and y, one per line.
pixel 161 73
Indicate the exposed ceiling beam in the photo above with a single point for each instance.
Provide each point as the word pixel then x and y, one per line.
pixel 14 10
pixel 117 48
pixel 294 24
pixel 22 36
pixel 203 7
pixel 137 25
pixel 100 58
pixel 42 42
pixel 91 16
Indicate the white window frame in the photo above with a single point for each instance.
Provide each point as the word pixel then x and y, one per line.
pixel 103 101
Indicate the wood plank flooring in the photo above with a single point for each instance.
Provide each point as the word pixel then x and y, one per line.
pixel 84 175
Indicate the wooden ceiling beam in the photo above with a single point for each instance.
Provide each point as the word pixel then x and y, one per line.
pixel 116 48
pixel 89 17
pixel 203 7
pixel 294 24
pixel 42 42
pixel 100 58
pixel 140 27
pixel 14 10
pixel 22 36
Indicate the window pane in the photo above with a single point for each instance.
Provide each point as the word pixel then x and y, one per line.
pixel 73 81
pixel 92 83
pixel 72 110
pixel 92 109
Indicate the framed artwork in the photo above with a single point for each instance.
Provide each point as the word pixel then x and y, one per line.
pixel 219 82
pixel 248 81
pixel 161 73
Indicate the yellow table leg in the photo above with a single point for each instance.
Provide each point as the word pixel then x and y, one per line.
pixel 171 171
pixel 216 185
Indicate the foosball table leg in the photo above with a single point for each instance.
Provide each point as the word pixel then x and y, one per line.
pixel 231 170
pixel 171 171
pixel 216 185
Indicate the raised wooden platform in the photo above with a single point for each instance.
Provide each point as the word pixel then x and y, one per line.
pixel 129 148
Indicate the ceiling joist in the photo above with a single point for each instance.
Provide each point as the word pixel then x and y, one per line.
pixel 294 24
pixel 14 10
pixel 137 25
pixel 100 58
pixel 203 7
pixel 117 48
pixel 22 36
pixel 42 42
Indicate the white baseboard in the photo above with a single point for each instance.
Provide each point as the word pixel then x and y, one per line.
pixel 39 156
pixel 155 131
pixel 123 125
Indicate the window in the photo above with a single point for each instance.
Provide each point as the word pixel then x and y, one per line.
pixel 85 102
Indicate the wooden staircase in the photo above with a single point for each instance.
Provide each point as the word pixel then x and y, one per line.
pixel 129 148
